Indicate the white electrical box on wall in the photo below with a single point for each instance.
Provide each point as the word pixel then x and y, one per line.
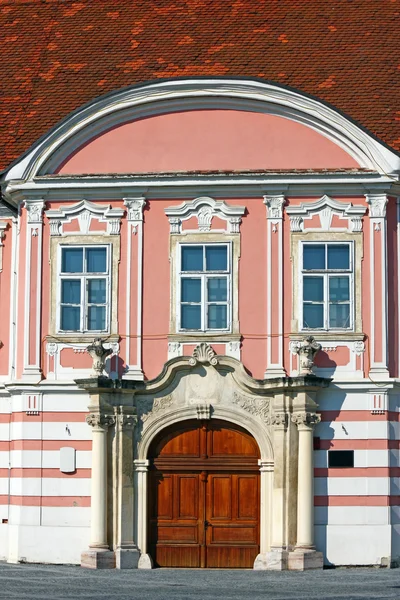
pixel 67 460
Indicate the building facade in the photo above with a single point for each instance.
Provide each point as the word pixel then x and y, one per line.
pixel 199 353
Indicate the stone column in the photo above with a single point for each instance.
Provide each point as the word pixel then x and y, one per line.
pixel 305 556
pixel 141 468
pixel 99 556
pixel 127 553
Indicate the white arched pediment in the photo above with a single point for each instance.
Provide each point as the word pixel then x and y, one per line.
pixel 184 95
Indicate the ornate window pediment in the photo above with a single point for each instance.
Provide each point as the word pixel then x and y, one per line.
pixel 205 209
pixel 326 208
pixel 84 211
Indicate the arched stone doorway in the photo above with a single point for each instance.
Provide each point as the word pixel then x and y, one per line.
pixel 204 496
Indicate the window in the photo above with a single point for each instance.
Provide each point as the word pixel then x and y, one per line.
pixel 204 283
pixel 84 288
pixel 340 459
pixel 327 286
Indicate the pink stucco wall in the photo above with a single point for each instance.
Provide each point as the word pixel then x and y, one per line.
pixel 206 140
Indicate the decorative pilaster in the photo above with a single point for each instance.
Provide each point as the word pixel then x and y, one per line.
pixel 32 368
pixel 141 471
pixel 305 556
pixel 134 288
pixel 274 206
pixel 378 286
pixel 99 556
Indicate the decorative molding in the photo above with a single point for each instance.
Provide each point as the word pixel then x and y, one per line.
pixel 203 354
pixel 377 205
pixel 203 411
pixel 359 348
pixel 150 407
pixel 326 207
pixel 259 407
pixel 135 208
pixel 34 211
pixel 307 350
pixel 279 421
pixel 204 209
pixel 174 350
pixel 274 206
pixel 127 421
pixel 3 227
pixel 306 420
pixel 234 349
pixel 84 211
pixel 98 354
pixel 51 348
pixel 100 421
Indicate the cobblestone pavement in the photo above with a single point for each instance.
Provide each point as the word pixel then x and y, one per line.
pixel 50 582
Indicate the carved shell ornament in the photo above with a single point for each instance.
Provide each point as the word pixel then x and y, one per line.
pixel 203 354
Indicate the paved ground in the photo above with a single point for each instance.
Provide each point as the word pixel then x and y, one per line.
pixel 42 582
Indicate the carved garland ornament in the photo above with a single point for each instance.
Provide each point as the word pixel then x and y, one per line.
pixel 255 406
pixel 150 407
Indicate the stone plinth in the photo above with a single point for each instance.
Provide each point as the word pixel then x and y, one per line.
pixel 98 559
pixel 275 560
pixel 126 559
pixel 303 560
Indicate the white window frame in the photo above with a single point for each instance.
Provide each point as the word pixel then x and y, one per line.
pixel 204 275
pixel 84 277
pixel 326 273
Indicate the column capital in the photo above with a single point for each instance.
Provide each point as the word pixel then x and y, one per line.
pixel 135 207
pixel 274 204
pixel 100 421
pixel 306 421
pixel 377 204
pixel 127 421
pixel 34 209
pixel 279 421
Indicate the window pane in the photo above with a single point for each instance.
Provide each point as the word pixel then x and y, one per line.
pixel 217 316
pixel 96 260
pixel 339 289
pixel 72 260
pixel 217 289
pixel 339 315
pixel 216 258
pixel 313 316
pixel 71 291
pixel 70 318
pixel 313 289
pixel 191 290
pixel 338 256
pixel 313 257
pixel 96 291
pixel 96 317
pixel 190 316
pixel 192 258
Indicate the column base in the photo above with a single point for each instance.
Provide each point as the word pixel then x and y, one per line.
pixel 275 560
pixel 98 559
pixel 127 558
pixel 303 560
pixel 145 562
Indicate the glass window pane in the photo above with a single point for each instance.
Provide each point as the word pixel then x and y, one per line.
pixel 216 258
pixel 72 260
pixel 217 316
pixel 191 290
pixel 313 289
pixel 96 318
pixel 339 315
pixel 190 316
pixel 96 291
pixel 338 256
pixel 339 289
pixel 217 289
pixel 70 318
pixel 192 258
pixel 313 257
pixel 96 260
pixel 313 316
pixel 71 291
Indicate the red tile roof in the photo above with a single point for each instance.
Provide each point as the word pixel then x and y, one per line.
pixel 57 55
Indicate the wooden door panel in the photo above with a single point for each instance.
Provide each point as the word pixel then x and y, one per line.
pixel 229 443
pixel 163 508
pixel 219 489
pixel 232 535
pixel 187 506
pixel 247 497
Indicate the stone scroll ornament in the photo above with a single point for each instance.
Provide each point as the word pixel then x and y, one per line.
pixel 307 350
pixel 98 354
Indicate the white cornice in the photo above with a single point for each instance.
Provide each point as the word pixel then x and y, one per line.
pixel 176 95
pixel 84 210
pixel 205 209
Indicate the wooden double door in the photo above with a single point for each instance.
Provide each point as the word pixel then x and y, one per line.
pixel 204 501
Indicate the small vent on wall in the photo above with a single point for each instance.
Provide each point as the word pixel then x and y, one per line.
pixel 340 459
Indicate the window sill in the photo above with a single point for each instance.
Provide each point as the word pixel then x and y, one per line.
pixel 329 335
pixel 81 338
pixel 211 336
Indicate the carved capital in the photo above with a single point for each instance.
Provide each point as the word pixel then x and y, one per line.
pixel 98 353
pixel 306 420
pixel 307 350
pixel 274 206
pixel 35 211
pixel 377 205
pixel 203 354
pixel 135 208
pixel 279 421
pixel 100 421
pixel 127 421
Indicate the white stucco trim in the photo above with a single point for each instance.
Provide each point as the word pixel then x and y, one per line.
pixel 189 94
